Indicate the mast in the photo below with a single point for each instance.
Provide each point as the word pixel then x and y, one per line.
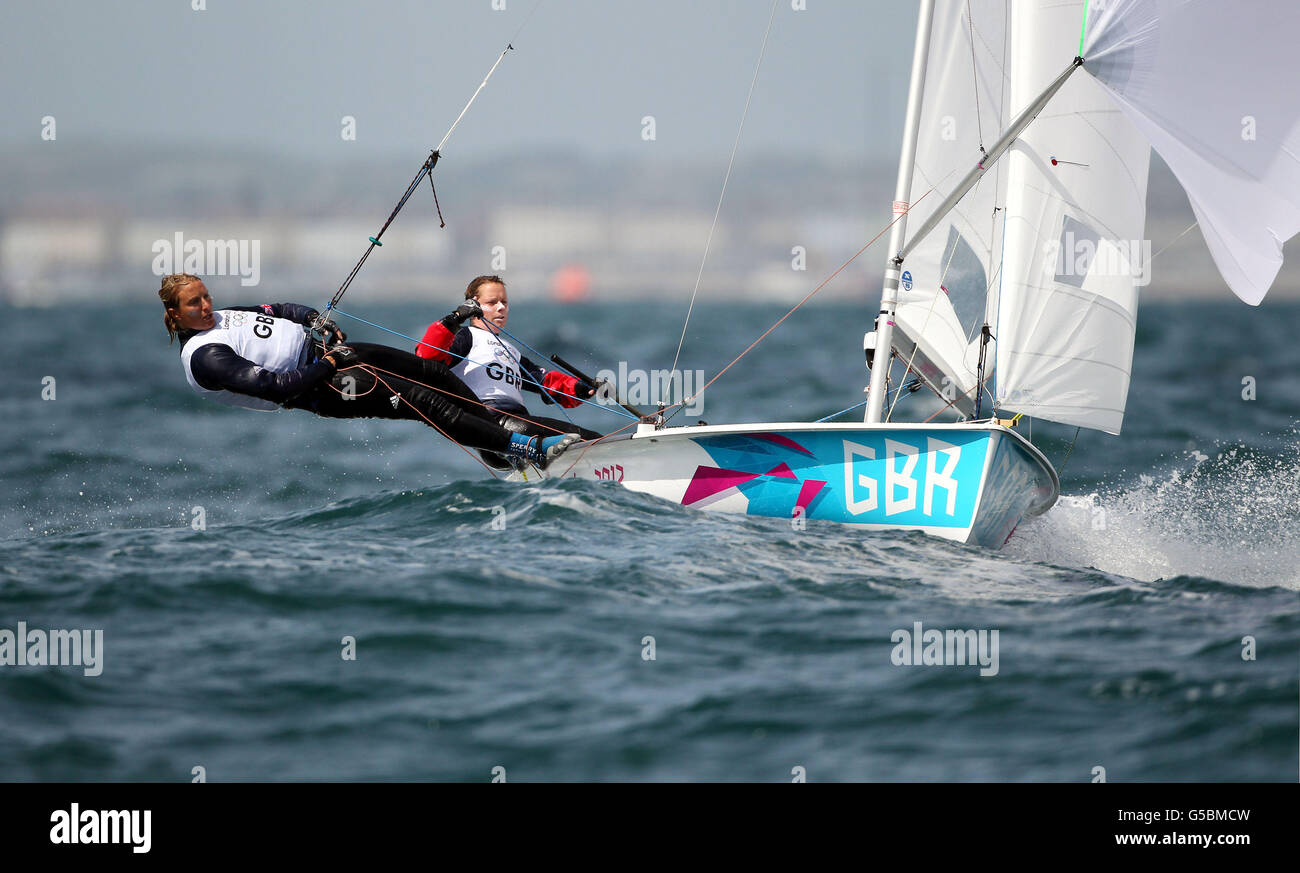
pixel 988 160
pixel 902 193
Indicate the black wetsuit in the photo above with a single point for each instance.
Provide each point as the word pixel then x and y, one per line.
pixel 358 391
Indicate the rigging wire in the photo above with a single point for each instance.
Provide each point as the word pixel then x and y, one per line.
pixel 907 386
pixel 1174 240
pixel 426 169
pixel 1061 469
pixel 375 241
pixel 726 178
pixel 523 372
pixel 509 48
pixel 979 123
pixel 677 407
pixel 481 85
pixel 462 357
pixel 681 404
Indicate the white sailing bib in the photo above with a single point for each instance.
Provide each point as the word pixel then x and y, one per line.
pixel 274 344
pixel 491 369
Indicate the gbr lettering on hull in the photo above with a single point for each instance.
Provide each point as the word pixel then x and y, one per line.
pixel 901 487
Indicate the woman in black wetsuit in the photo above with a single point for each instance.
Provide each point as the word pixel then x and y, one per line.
pixel 264 357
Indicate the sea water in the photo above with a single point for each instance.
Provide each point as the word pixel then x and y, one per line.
pixel 284 597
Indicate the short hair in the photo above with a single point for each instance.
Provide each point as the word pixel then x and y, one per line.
pixel 170 294
pixel 479 281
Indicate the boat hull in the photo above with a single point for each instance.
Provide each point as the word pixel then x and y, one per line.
pixel 967 482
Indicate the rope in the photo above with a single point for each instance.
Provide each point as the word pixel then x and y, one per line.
pixel 462 357
pixel 374 370
pixel 1174 240
pixel 370 368
pixel 398 394
pixel 589 446
pixel 951 402
pixel 1069 452
pixel 974 74
pixel 726 178
pixel 522 371
pixel 682 403
pixel 841 412
pixel 897 390
pixel 427 167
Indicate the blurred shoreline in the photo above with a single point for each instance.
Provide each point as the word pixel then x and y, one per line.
pixel 99 223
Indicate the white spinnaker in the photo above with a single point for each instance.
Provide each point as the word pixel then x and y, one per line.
pixel 1073 251
pixel 960 255
pixel 1212 86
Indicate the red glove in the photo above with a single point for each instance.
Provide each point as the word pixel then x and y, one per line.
pixel 566 389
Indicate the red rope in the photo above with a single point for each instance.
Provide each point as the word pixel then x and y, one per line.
pixel 378 379
pixel 593 443
pixel 466 399
pixel 376 370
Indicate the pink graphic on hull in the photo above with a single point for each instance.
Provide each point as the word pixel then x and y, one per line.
pixel 810 489
pixel 782 441
pixel 709 481
pixel 764 493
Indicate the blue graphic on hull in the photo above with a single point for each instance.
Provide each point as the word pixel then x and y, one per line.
pixel 918 477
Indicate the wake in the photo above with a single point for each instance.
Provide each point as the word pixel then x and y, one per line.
pixel 1232 518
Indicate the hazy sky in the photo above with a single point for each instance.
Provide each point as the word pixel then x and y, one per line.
pixel 283 73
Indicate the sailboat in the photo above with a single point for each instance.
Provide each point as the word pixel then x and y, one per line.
pixel 1022 180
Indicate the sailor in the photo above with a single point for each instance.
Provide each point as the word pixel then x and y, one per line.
pixel 264 358
pixel 493 368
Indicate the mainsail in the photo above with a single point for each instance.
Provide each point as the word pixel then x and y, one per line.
pixel 1073 253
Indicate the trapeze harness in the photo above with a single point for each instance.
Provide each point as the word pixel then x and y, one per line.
pixel 497 374
pixel 491 368
pixel 278 346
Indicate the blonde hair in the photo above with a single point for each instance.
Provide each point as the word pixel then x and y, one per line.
pixel 170 294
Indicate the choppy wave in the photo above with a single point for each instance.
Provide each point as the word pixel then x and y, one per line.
pixel 1148 623
pixel 1233 517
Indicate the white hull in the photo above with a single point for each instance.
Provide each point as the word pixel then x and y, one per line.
pixel 967 482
